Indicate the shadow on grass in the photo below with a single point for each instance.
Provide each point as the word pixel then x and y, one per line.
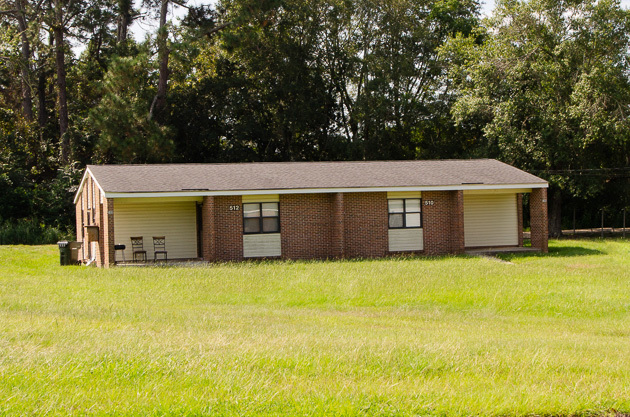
pixel 556 252
pixel 561 252
pixel 568 251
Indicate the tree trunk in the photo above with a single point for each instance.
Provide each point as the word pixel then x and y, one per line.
pixel 60 61
pixel 555 212
pixel 159 100
pixel 42 114
pixel 42 111
pixel 124 20
pixel 27 101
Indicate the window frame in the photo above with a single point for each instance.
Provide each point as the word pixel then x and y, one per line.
pixel 261 218
pixel 404 214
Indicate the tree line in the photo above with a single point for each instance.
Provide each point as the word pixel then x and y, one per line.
pixel 540 84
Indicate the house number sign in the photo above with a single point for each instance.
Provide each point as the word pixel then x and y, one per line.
pixel 235 207
pixel 429 202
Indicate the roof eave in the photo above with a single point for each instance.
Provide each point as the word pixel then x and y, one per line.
pixel 204 193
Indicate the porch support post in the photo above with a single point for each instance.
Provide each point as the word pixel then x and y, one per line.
pixel 457 226
pixel 208 243
pixel 107 233
pixel 338 227
pixel 539 221
pixel 443 222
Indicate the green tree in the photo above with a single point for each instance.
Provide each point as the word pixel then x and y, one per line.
pixel 19 10
pixel 550 86
pixel 389 76
pixel 127 134
pixel 285 102
pixel 325 79
pixel 87 21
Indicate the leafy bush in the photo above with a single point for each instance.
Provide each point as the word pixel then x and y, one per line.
pixel 31 232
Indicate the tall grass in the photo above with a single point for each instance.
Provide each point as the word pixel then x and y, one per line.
pixel 31 232
pixel 450 336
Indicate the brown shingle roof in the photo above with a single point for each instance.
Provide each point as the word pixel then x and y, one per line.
pixel 306 175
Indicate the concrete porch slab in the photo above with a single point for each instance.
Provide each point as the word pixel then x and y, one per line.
pixel 170 262
pixel 495 251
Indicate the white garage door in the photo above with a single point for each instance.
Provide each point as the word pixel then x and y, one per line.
pixel 175 220
pixel 490 220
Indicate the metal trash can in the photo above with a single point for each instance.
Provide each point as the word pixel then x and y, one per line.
pixel 68 252
pixel 64 252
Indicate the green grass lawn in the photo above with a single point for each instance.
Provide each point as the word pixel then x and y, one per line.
pixel 451 336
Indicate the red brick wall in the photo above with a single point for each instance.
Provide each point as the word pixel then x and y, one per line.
pixel 91 214
pixel 80 217
pixel 79 221
pixel 229 228
pixel 326 225
pixel 99 216
pixel 538 218
pixel 89 202
pixel 100 247
pixel 312 226
pixel 338 230
pixel 208 234
pixel 365 224
pixel 89 218
pixel 457 225
pixel 306 226
pixel 84 248
pixel 443 222
pixel 107 232
pixel 519 221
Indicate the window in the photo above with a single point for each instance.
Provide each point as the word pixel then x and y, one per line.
pixel 404 213
pixel 260 218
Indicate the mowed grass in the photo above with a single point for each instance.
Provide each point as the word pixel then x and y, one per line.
pixel 452 336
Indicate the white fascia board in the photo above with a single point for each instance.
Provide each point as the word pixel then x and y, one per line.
pixel 327 190
pixel 80 190
pixel 97 184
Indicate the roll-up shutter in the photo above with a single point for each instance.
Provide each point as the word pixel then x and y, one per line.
pixel 490 220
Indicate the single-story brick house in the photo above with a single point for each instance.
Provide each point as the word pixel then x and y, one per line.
pixel 306 210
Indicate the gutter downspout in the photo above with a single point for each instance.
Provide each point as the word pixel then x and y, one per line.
pixel 93 250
